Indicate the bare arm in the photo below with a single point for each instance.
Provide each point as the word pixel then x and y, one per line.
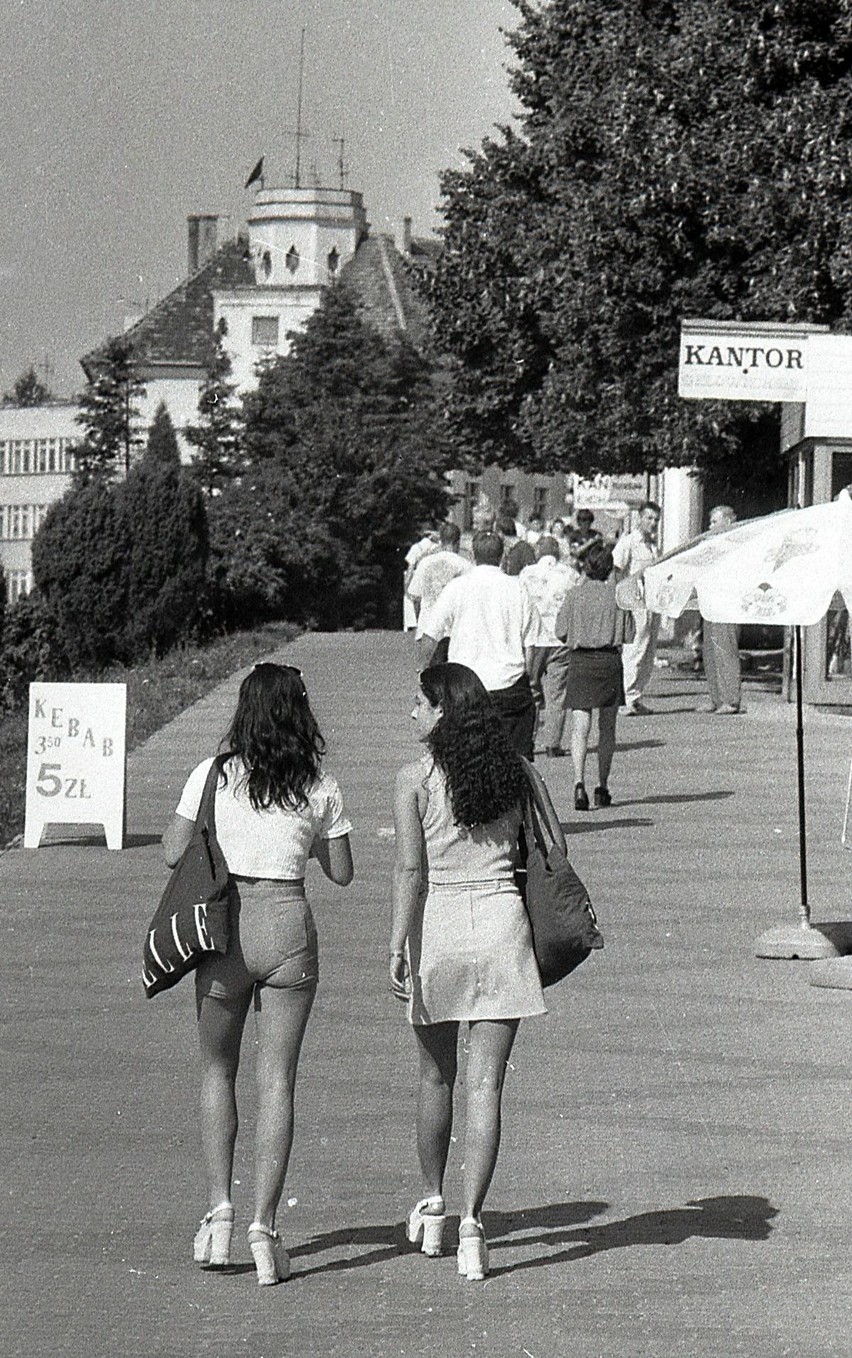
pixel 407 874
pixel 176 838
pixel 335 858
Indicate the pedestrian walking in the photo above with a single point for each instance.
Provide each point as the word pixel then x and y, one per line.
pixel 632 553
pixel 589 676
pixel 275 808
pixel 721 643
pixel 495 630
pixel 461 948
pixel 547 583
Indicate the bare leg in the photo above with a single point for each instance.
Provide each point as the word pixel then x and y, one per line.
pixel 281 1017
pixel 581 722
pixel 607 718
pixel 438 1049
pixel 220 1031
pixel 490 1047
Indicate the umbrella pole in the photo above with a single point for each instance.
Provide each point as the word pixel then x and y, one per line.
pixel 805 909
pixel 802 940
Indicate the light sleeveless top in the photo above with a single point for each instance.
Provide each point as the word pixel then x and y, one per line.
pixel 453 853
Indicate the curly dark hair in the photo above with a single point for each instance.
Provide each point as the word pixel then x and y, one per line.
pixel 275 734
pixel 484 774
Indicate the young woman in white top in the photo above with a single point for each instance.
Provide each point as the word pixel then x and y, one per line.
pixel 274 810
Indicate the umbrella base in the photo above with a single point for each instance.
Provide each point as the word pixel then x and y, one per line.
pixel 834 974
pixel 805 942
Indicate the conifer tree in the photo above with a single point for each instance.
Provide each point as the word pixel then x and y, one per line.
pixel 217 436
pixel 162 439
pixel 29 390
pixel 108 413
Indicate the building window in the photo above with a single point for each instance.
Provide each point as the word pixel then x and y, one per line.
pixel 333 260
pixel 266 264
pixel 17 584
pixel 539 503
pixel 291 259
pixel 39 457
pixel 264 332
pixel 507 495
pixel 471 495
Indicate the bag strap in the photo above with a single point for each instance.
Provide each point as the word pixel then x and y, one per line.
pixel 539 812
pixel 206 818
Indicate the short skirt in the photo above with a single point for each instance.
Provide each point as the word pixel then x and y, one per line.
pixel 594 678
pixel 471 956
pixel 273 942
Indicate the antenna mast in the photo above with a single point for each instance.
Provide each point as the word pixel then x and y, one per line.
pixel 298 175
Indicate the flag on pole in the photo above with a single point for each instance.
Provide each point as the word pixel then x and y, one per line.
pixel 257 173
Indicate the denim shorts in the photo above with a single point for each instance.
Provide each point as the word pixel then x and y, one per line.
pixel 273 942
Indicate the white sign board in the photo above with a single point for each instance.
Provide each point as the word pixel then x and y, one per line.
pixel 76 759
pixel 752 361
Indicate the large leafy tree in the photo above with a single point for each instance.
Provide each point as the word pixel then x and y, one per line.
pixel 670 160
pixel 108 412
pixel 344 460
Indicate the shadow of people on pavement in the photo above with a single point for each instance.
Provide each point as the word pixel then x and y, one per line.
pixel 735 1217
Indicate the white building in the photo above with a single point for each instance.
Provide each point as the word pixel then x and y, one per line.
pixel 35 469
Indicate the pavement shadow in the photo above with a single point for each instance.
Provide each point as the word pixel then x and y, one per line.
pixel 95 840
pixel 675 798
pixel 623 745
pixel 383 1242
pixel 594 826
pixel 730 1217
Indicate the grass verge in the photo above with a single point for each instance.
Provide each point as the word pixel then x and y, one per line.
pixel 156 692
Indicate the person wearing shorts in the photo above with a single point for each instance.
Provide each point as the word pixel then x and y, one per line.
pixel 275 808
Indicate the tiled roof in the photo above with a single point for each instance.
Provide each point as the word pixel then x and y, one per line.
pixel 378 273
pixel 178 329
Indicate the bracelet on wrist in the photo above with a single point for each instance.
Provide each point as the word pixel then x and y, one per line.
pixel 397 952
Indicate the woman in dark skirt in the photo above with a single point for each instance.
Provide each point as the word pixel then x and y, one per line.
pixel 592 628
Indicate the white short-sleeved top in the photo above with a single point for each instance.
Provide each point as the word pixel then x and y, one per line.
pixel 274 843
pixel 489 620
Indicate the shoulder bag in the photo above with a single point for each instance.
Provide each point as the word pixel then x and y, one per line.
pixel 193 917
pixel 562 919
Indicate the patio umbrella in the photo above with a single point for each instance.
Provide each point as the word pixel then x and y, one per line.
pixel 781 569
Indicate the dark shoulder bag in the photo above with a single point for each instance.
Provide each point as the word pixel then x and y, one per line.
pixel 562 919
pixel 193 917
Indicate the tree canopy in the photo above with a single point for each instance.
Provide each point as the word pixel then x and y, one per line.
pixel 29 390
pixel 670 160
pixel 343 461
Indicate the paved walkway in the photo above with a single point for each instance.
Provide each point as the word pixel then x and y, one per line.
pixel 674 1178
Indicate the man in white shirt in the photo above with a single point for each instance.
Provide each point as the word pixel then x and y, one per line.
pixel 631 554
pixel 434 571
pixel 426 543
pixel 548 583
pixel 494 629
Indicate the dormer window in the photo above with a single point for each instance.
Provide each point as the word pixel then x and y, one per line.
pixel 333 260
pixel 292 260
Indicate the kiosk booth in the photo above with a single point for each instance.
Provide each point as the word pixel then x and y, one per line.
pixel 808 371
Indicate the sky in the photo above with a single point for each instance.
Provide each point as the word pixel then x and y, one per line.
pixel 121 117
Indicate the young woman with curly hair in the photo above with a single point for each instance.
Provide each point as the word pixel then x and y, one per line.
pixel 275 808
pixel 461 948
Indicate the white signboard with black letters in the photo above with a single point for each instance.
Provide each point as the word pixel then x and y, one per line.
pixel 744 361
pixel 76 759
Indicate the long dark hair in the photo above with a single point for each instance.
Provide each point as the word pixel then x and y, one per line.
pixel 275 734
pixel 484 774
